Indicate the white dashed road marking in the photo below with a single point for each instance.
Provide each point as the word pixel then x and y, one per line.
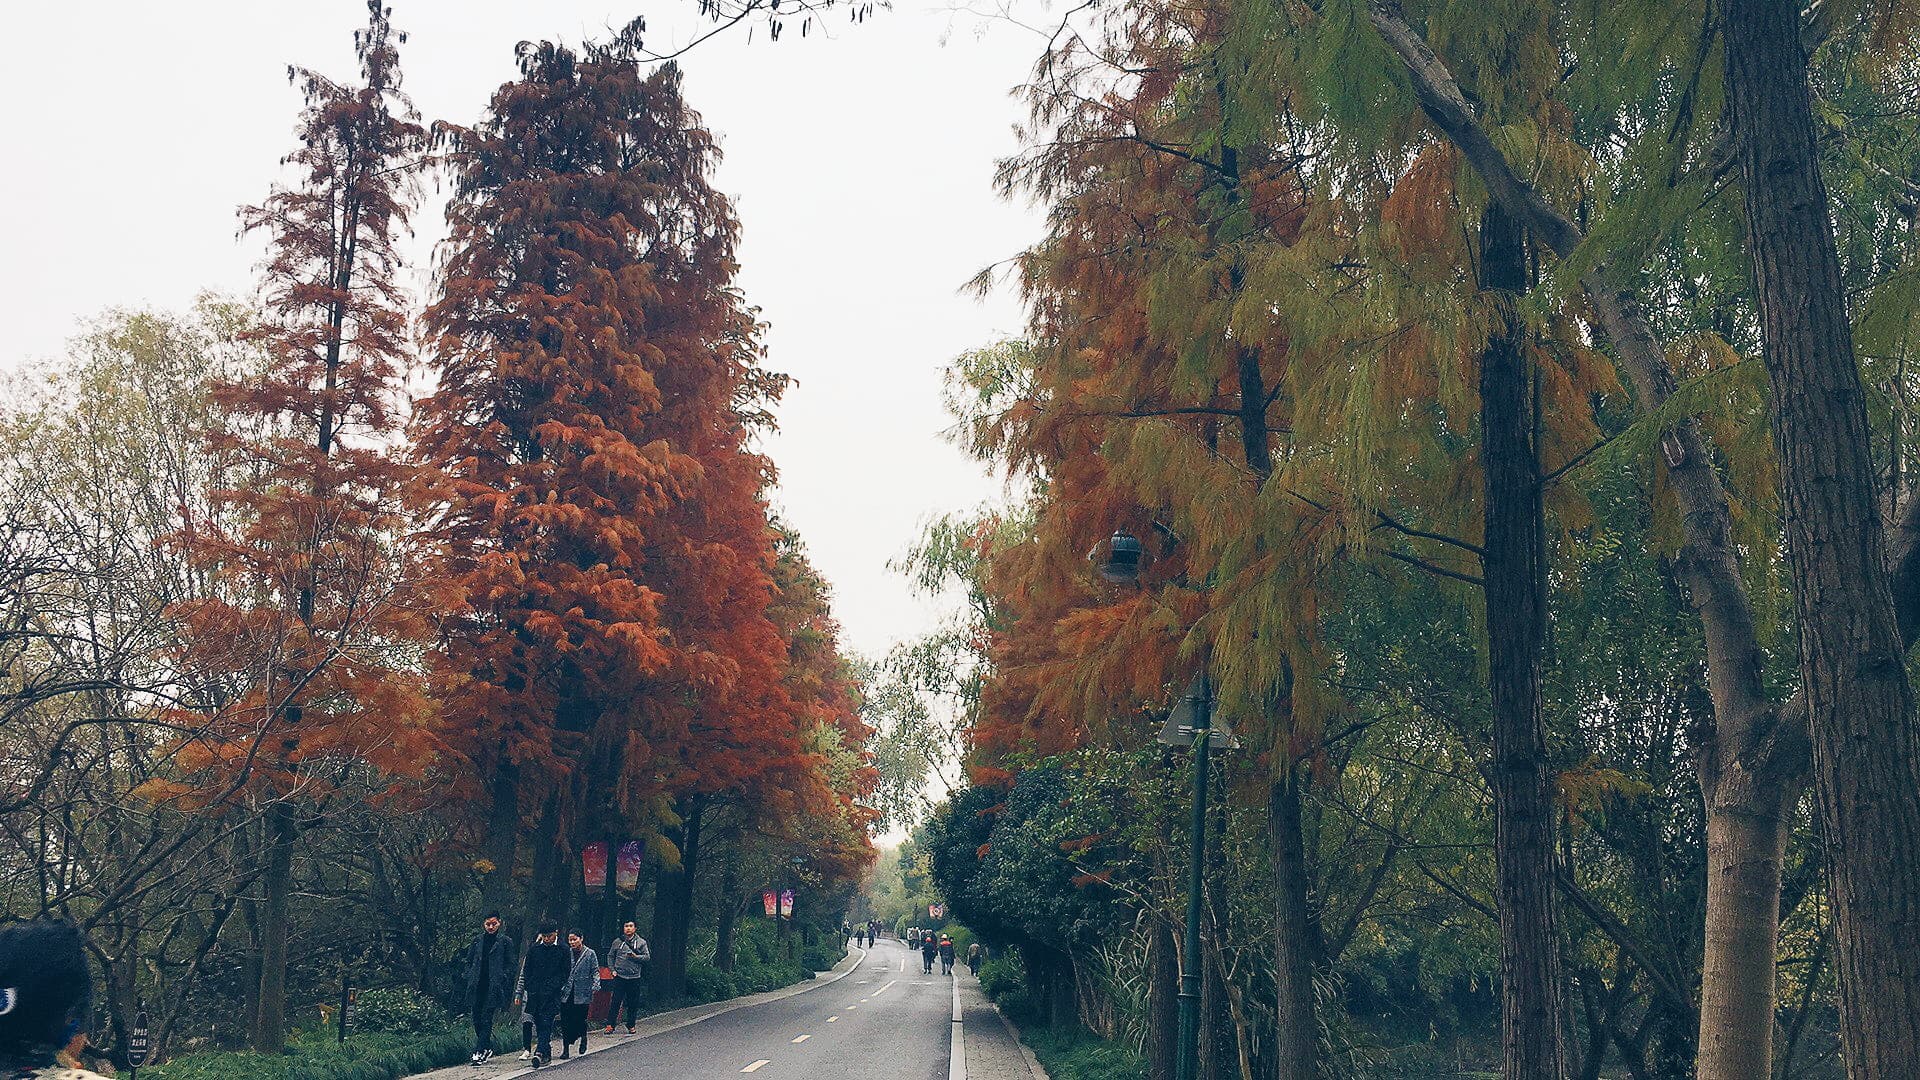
pixel 803 1038
pixel 831 1019
pixel 755 1067
pixel 885 988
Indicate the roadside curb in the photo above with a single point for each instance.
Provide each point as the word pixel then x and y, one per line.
pixel 957 1041
pixel 1033 1063
pixel 657 1024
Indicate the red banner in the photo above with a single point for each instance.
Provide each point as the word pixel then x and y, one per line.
pixel 627 874
pixel 772 900
pixel 593 862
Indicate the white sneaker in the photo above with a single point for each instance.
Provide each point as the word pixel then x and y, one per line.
pixel 525 1054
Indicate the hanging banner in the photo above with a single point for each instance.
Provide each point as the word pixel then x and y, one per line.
pixel 627 874
pixel 772 900
pixel 786 904
pixel 936 911
pixel 593 862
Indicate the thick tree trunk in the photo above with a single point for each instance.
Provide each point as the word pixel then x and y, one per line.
pixel 673 909
pixel 500 844
pixel 1296 1032
pixel 1852 659
pixel 1163 999
pixel 270 1022
pixel 1515 574
pixel 1744 853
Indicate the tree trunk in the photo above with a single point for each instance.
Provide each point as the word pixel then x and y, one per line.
pixel 501 842
pixel 1296 1032
pixel 673 909
pixel 729 916
pixel 270 1022
pixel 1515 574
pixel 1163 1005
pixel 1744 853
pixel 1852 659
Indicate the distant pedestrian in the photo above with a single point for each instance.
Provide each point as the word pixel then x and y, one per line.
pixel 489 982
pixel 973 958
pixel 46 992
pixel 576 997
pixel 628 958
pixel 946 955
pixel 547 968
pixel 929 948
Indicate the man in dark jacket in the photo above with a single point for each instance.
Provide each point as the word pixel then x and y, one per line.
pixel 489 982
pixel 546 974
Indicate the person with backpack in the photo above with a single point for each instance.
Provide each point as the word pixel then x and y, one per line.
pixel 46 993
pixel 973 958
pixel 946 955
pixel 929 948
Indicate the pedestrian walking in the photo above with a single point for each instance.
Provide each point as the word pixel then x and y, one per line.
pixel 929 948
pixel 547 968
pixel 946 955
pixel 526 1016
pixel 46 994
pixel 973 958
pixel 628 958
pixel 489 982
pixel 576 997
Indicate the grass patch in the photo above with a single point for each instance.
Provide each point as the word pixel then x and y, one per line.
pixel 1077 1054
pixel 319 1056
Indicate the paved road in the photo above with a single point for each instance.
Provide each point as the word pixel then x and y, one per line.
pixel 882 1021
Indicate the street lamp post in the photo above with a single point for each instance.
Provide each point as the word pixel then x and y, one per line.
pixel 1186 1063
pixel 1191 723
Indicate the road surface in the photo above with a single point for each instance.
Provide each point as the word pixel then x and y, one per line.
pixel 883 1020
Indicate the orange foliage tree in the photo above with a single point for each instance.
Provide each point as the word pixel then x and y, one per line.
pixel 317 623
pixel 617 669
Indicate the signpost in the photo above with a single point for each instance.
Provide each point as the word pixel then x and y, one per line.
pixel 346 1007
pixel 138 1044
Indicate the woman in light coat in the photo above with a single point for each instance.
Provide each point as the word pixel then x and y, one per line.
pixel 576 997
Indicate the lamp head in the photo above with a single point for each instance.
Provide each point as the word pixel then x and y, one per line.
pixel 1122 562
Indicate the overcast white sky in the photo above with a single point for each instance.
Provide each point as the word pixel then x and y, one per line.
pixel 860 161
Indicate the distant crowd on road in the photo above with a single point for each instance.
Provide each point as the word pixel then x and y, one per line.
pixel 930 943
